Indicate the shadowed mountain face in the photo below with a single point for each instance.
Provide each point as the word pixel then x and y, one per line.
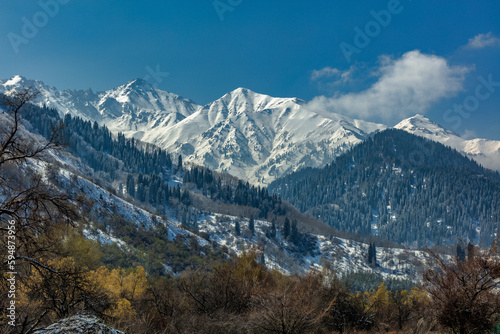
pixel 485 152
pixel 401 187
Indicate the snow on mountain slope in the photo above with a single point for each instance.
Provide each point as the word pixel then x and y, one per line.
pixel 485 152
pixel 252 136
pixel 342 255
pixel 133 108
pixel 137 108
pixel 258 138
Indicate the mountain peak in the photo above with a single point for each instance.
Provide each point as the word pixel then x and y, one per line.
pixel 242 91
pixel 419 124
pixel 418 118
pixel 14 80
pixel 249 94
pixel 139 83
pixel 18 80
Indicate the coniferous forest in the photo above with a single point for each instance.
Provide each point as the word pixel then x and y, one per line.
pixel 145 169
pixel 402 188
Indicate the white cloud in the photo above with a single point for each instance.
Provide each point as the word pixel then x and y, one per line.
pixel 325 72
pixel 483 40
pixel 406 86
pixel 334 76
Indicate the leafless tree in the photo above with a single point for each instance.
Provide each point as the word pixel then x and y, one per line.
pixel 293 306
pixel 25 197
pixel 39 212
pixel 465 292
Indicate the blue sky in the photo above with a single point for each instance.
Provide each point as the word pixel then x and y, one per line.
pixel 430 57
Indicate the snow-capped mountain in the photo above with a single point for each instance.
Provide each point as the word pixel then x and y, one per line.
pixel 133 108
pixel 485 152
pixel 252 136
pixel 259 138
pixel 67 173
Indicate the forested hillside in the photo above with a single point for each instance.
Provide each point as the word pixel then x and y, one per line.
pixel 146 173
pixel 400 187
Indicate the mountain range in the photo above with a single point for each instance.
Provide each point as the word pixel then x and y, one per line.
pixel 252 136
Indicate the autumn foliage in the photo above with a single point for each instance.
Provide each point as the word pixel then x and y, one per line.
pixel 239 296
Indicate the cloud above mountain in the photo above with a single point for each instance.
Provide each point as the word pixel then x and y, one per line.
pixel 483 40
pixel 405 86
pixel 332 77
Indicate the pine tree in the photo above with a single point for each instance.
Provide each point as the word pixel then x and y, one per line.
pixel 273 228
pixel 130 185
pixel 286 228
pixel 251 226
pixel 179 163
pixel 237 228
pixel 294 234
pixel 372 255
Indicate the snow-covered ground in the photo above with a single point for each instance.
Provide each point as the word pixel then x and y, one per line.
pixel 76 324
pixel 340 254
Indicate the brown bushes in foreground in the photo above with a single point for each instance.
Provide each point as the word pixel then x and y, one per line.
pixel 242 296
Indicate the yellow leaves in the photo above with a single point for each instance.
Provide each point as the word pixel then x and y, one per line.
pixel 65 264
pixel 67 286
pixel 121 283
pixel 418 295
pixel 378 298
pixel 127 285
pixel 122 310
pixel 124 287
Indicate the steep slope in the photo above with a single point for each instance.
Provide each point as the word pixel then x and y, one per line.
pixel 485 152
pixel 403 188
pixel 258 138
